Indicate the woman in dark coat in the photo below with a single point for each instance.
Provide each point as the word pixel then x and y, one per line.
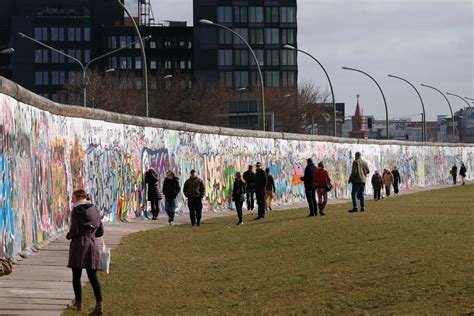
pixel 377 183
pixel 154 194
pixel 238 195
pixel 171 190
pixel 86 226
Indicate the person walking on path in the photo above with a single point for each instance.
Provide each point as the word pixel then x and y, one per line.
pixel 377 185
pixel 171 190
pixel 154 193
pixel 358 177
pixel 269 190
pixel 86 226
pixel 323 186
pixel 238 195
pixel 387 181
pixel 249 178
pixel 396 180
pixel 260 185
pixel 194 190
pixel 454 173
pixel 462 173
pixel 309 188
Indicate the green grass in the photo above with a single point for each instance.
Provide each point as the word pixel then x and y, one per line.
pixel 412 254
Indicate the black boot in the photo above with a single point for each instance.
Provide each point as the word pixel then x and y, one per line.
pixel 321 208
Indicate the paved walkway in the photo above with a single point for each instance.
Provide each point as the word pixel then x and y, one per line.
pixel 41 283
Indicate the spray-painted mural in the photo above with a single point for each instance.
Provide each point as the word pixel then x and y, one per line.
pixel 44 157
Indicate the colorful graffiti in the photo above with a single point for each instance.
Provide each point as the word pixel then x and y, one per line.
pixel 45 157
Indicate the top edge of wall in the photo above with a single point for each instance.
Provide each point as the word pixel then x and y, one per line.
pixel 21 94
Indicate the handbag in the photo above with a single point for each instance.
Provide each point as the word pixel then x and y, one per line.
pixel 104 258
pixel 328 186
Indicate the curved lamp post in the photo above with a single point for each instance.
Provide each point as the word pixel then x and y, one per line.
pixel 455 95
pixel 142 49
pixel 208 22
pixel 327 76
pixel 449 104
pixel 383 96
pixel 422 105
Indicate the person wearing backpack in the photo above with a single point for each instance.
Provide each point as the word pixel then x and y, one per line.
pixel 238 195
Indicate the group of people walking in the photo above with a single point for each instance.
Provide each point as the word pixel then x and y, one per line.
pixel 462 173
pixel 386 180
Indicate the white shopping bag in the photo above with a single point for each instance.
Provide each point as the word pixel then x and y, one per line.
pixel 104 255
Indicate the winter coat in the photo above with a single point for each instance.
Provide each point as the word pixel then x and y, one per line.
pixel 270 183
pixel 239 190
pixel 463 171
pixel 387 179
pixel 86 226
pixel 308 176
pixel 171 188
pixel 321 178
pixel 396 176
pixel 260 180
pixel 194 188
pixel 154 193
pixel 360 170
pixel 377 181
pixel 249 178
pixel 454 171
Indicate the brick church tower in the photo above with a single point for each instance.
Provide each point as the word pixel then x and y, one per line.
pixel 358 123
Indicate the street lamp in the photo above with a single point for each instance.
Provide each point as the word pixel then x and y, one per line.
pixel 7 51
pixel 423 136
pixel 168 77
pixel 449 104
pixel 109 70
pixel 383 96
pixel 327 76
pixel 208 22
pixel 455 95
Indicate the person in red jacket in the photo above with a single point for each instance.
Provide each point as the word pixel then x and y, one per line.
pixel 322 183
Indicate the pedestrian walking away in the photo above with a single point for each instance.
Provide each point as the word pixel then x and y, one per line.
pixel 309 187
pixel 269 190
pixel 238 196
pixel 462 173
pixel 454 173
pixel 323 186
pixel 194 191
pixel 154 193
pixel 377 183
pixel 358 177
pixel 387 181
pixel 249 178
pixel 396 180
pixel 171 190
pixel 85 227
pixel 260 186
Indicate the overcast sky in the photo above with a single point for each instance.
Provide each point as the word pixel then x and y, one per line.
pixel 424 41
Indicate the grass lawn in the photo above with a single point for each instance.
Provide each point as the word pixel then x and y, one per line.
pixel 411 254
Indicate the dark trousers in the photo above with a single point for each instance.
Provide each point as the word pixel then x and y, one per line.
pixel 311 198
pixel 76 284
pixel 358 193
pixel 377 194
pixel 238 207
pixel 250 199
pixel 195 210
pixel 387 190
pixel 395 187
pixel 155 208
pixel 261 202
pixel 454 179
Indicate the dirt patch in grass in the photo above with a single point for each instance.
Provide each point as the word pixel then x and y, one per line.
pixel 411 254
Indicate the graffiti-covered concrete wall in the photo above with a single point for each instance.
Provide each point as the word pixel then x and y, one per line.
pixel 48 150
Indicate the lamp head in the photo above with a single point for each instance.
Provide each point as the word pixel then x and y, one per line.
pixel 345 68
pixel 168 77
pixel 204 21
pixel 21 34
pixel 289 47
pixel 391 76
pixel 110 70
pixel 7 51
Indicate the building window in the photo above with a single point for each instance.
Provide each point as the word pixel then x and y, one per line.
pixel 225 77
pixel 273 57
pixel 123 41
pixel 241 57
pixel 288 78
pixel 123 62
pixel 41 56
pixel 137 43
pixel 55 78
pixel 41 78
pixel 87 34
pixel 224 14
pixel 153 44
pixel 272 36
pixel 41 33
pixel 288 36
pixel 153 64
pixel 260 57
pixel 240 15
pixel 256 14
pixel 288 14
pixel 272 15
pixel 78 34
pixel 225 37
pixel 57 34
pixel 225 57
pixel 272 78
pixel 241 79
pixel 182 64
pixel 244 32
pixel 55 97
pixel 256 36
pixel 138 63
pixel 71 34
pixel 288 57
pixel 190 64
pixel 167 64
pixel 167 43
pixel 87 55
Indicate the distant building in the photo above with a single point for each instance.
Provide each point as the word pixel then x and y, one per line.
pixel 359 124
pixel 465 124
